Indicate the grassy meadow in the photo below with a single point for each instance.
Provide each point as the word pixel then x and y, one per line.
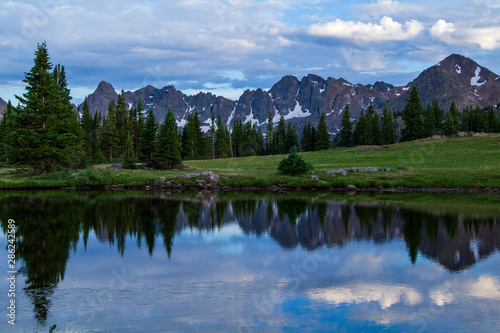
pixel 466 163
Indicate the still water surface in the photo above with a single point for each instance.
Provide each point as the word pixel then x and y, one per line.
pixel 157 262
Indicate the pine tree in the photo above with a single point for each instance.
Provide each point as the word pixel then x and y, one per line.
pixel 6 127
pixel 121 119
pixel 360 130
pixel 238 136
pixel 412 116
pixel 46 135
pixel 193 139
pixel 429 121
pixel 322 135
pixel 129 156
pixel 280 137
pixel 221 141
pixel 140 123
pixel 376 132
pixel 292 139
pixel 455 115
pixel 211 136
pixel 110 135
pixel 492 121
pixel 449 125
pixel 269 136
pixel 148 139
pixel 345 135
pixel 388 133
pixel 305 140
pixel 87 127
pixel 168 148
pixel 313 138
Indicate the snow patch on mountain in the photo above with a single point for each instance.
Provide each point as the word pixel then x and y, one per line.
pixel 231 117
pixel 181 123
pixel 458 69
pixel 297 112
pixel 475 80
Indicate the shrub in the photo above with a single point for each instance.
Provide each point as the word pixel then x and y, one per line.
pixel 294 164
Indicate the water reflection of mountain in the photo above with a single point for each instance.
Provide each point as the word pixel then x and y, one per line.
pixel 50 225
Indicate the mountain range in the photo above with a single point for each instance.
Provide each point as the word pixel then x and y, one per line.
pixel 456 78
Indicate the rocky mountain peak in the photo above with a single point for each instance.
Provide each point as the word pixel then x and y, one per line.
pixel 99 100
pixel 3 105
pixel 456 78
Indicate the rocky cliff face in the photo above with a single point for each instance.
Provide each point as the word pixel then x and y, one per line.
pixel 456 78
pixel 3 105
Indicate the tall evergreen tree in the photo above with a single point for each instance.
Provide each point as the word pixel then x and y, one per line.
pixel 305 140
pixel 269 135
pixel 322 135
pixel 129 155
pixel 211 136
pixel 46 134
pixel 193 139
pixel 345 135
pixel 238 136
pixel 376 132
pixel 492 121
pixel 110 135
pixel 292 139
pixel 168 148
pixel 313 138
pixel 429 121
pixel 121 119
pixel 139 126
pixel 449 125
pixel 438 114
pixel 360 130
pixel 388 132
pixel 148 139
pixel 6 129
pixel 221 140
pixel 412 116
pixel 454 115
pixel 280 137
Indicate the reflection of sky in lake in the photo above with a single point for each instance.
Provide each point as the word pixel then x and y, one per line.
pixel 229 280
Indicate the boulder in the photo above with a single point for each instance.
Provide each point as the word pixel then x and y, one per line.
pixel 200 182
pixel 351 187
pixel 341 171
pixel 159 183
pixel 210 177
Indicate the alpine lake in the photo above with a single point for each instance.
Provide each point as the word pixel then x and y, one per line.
pixel 138 261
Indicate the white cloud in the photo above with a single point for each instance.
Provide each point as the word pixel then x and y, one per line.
pixel 232 75
pixel 219 89
pixel 487 38
pixel 389 7
pixel 443 31
pixel 360 32
pixel 385 295
pixel 486 287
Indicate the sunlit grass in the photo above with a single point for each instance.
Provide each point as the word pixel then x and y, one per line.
pixel 470 162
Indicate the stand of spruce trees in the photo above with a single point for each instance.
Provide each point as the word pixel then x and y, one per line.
pixel 43 133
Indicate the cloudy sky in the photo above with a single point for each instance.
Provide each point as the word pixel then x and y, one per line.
pixel 227 46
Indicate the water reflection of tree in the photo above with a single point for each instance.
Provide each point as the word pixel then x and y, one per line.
pixel 293 208
pixel 46 230
pixel 49 226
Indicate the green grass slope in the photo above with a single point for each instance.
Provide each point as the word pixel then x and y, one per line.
pixel 466 163
pixel 470 162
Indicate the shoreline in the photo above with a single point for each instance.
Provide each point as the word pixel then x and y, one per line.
pixel 268 189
